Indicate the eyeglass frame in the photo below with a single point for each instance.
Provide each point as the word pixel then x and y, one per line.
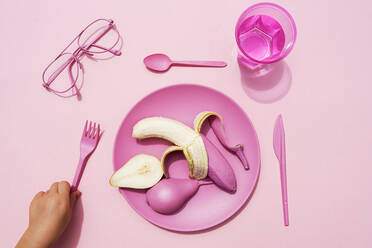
pixel 75 56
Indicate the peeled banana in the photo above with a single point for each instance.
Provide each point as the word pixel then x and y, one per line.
pixel 185 139
pixel 203 157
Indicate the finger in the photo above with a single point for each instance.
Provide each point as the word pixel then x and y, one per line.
pixel 53 188
pixel 38 195
pixel 64 187
pixel 74 196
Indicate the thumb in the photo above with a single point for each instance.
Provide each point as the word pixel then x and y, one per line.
pixel 73 197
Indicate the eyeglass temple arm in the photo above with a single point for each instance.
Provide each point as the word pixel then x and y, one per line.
pixel 110 26
pixel 75 89
pixel 114 52
pixel 58 71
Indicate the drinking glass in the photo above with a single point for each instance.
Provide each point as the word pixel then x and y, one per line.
pixel 265 33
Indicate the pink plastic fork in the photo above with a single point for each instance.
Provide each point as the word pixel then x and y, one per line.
pixel 88 144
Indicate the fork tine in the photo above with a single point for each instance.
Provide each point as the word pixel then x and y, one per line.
pixel 85 128
pixel 90 128
pixel 93 131
pixel 97 133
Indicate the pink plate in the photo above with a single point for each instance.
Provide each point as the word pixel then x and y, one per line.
pixel 210 206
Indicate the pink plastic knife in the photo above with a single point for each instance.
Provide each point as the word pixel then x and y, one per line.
pixel 279 149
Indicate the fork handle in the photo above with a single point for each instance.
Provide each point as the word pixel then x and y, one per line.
pixel 78 173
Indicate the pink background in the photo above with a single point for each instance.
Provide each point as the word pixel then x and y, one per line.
pixel 326 112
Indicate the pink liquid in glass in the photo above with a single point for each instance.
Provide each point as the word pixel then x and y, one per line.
pixel 261 37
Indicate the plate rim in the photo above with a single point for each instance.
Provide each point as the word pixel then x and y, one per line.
pixel 239 206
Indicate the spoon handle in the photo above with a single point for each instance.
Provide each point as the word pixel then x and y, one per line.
pixel 201 63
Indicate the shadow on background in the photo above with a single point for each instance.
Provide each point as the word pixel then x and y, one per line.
pixel 268 83
pixel 70 238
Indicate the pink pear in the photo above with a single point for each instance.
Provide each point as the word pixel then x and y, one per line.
pixel 169 195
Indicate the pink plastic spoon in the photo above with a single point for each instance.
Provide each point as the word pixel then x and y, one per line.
pixel 161 62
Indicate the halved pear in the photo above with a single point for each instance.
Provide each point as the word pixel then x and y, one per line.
pixel 142 171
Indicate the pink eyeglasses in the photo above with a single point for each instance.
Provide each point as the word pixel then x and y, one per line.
pixel 102 31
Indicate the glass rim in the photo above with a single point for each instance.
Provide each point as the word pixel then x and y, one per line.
pixel 288 50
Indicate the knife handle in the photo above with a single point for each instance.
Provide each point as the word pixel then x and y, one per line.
pixel 283 178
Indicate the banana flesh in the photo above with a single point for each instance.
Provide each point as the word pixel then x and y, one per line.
pixel 165 128
pixel 183 137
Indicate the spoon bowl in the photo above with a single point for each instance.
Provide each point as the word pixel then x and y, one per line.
pixel 158 62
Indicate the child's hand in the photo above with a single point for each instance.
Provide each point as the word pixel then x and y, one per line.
pixel 50 212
